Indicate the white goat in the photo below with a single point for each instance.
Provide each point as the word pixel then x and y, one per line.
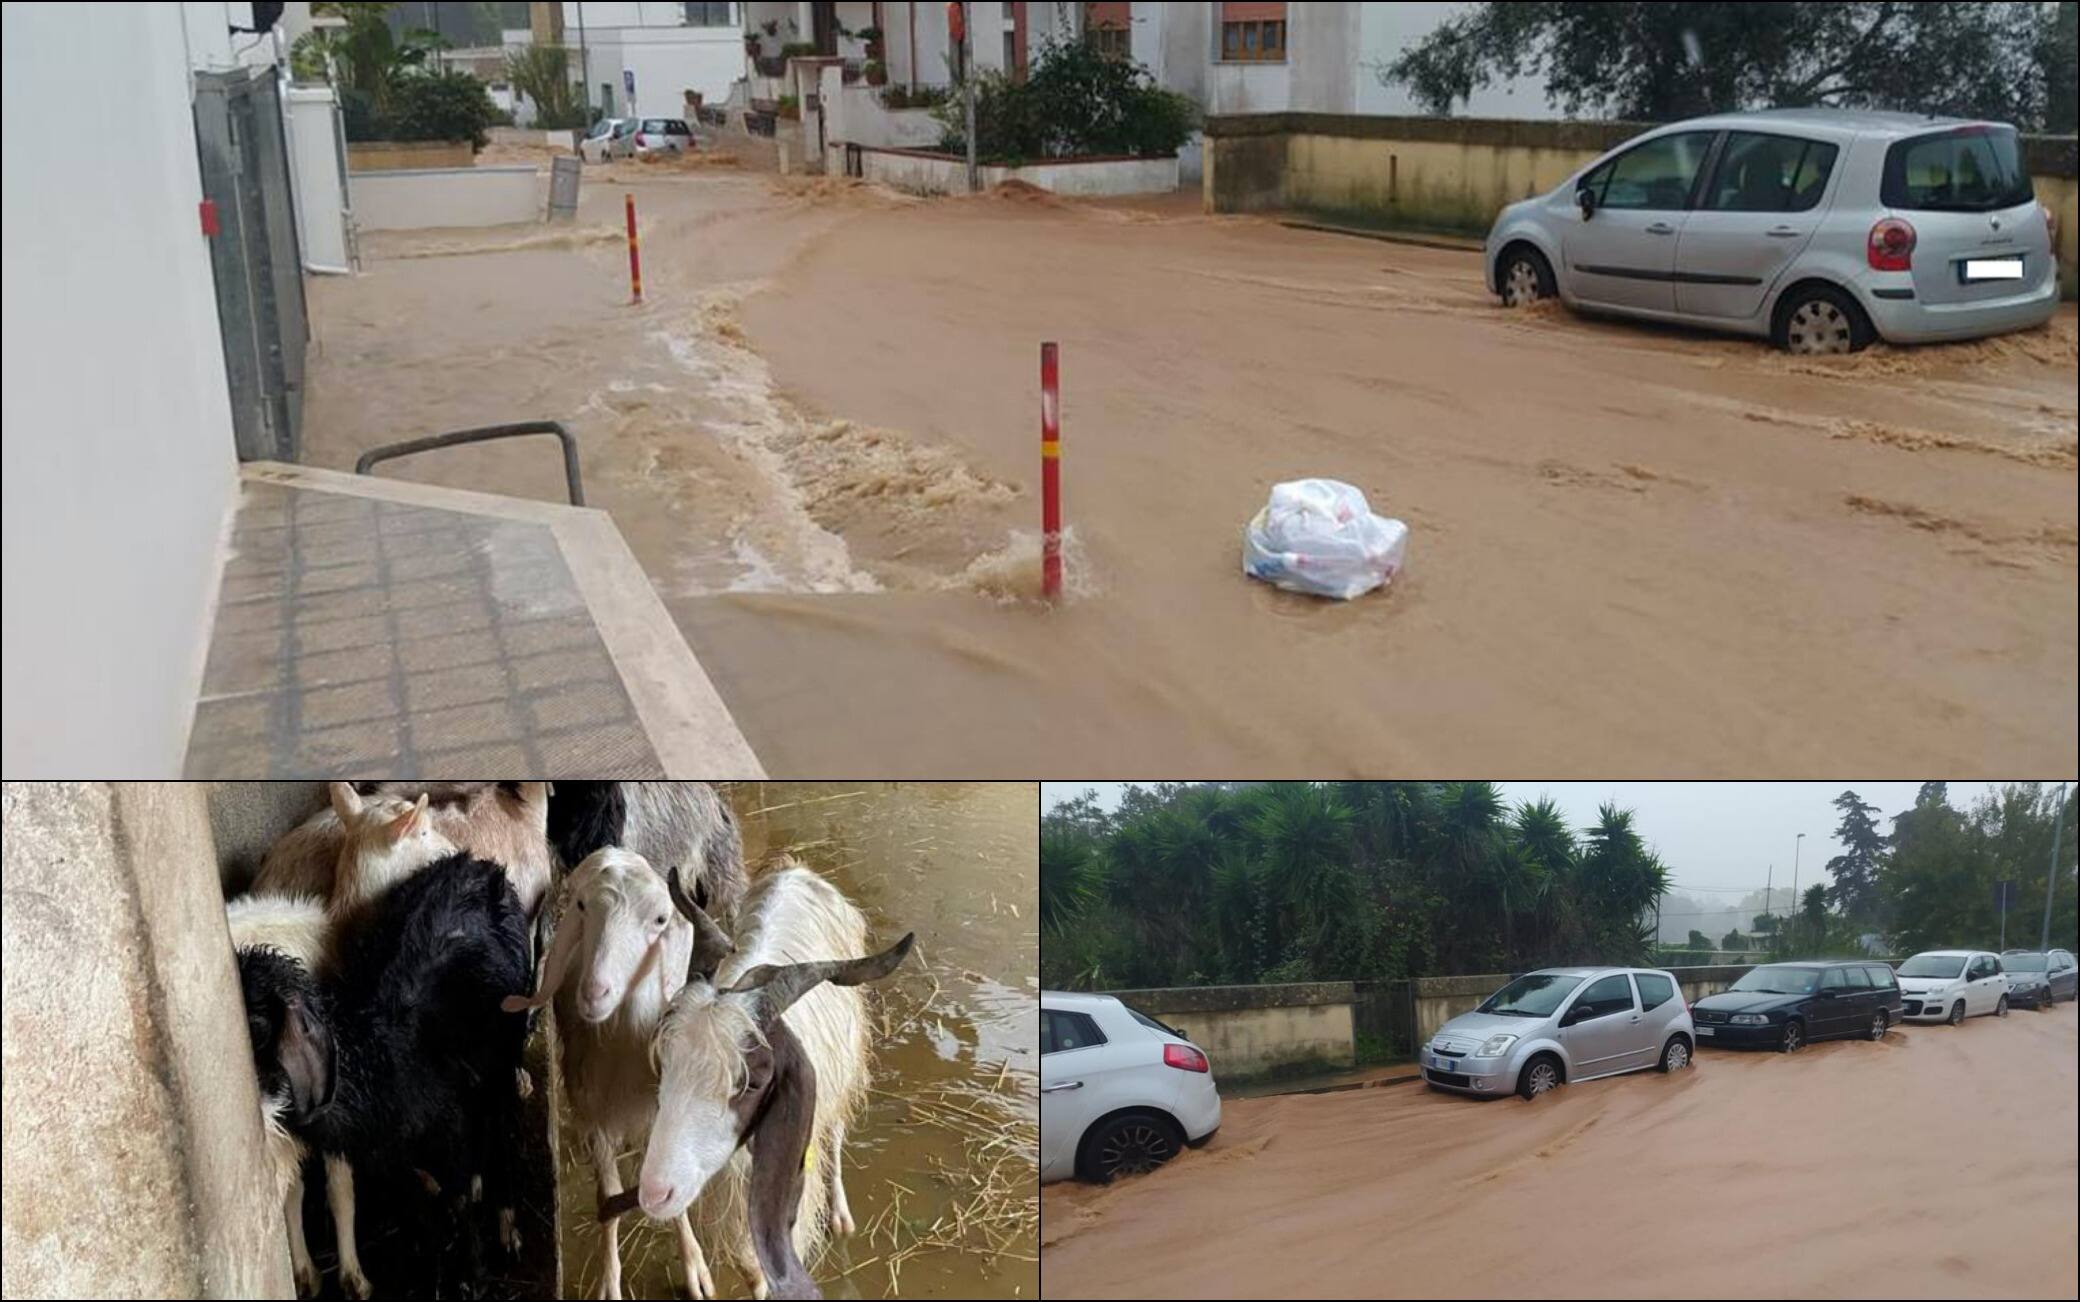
pixel 620 952
pixel 766 1048
pixel 293 926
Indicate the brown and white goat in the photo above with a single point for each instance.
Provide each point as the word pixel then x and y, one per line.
pixel 766 1049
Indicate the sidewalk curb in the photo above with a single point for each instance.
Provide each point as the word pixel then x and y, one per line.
pixel 1389 237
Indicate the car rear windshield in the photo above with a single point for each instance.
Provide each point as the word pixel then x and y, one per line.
pixel 1537 995
pixel 1932 965
pixel 1151 1023
pixel 1970 169
pixel 1774 980
pixel 2023 962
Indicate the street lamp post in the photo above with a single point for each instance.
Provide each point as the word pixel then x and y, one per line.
pixel 1797 844
pixel 2051 873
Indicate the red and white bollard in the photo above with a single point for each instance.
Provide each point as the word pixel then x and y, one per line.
pixel 1050 473
pixel 635 263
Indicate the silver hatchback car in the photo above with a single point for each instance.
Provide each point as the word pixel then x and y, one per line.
pixel 1822 229
pixel 1562 1024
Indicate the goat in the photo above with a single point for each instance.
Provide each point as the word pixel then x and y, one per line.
pixel 507 827
pixel 683 823
pixel 766 1047
pixel 620 951
pixel 389 1060
pixel 278 939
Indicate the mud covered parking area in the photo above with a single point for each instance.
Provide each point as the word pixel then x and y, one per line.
pixel 1938 1162
pixel 818 434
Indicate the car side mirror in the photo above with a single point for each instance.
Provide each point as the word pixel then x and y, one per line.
pixel 1585 199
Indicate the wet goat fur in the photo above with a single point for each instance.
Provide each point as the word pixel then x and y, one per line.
pixel 672 824
pixel 421 1056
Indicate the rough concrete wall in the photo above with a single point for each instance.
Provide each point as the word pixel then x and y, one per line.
pixel 247 817
pixel 131 1164
pixel 1244 173
pixel 1248 1041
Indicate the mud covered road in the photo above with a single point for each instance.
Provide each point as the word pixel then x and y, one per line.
pixel 1634 549
pixel 1938 1162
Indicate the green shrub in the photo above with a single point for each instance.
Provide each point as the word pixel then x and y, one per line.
pixel 451 105
pixel 1074 101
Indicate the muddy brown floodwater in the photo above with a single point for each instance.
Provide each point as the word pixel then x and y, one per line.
pixel 940 1169
pixel 1937 1162
pixel 1633 548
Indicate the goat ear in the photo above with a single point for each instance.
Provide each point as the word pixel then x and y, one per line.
pixel 305 1050
pixel 410 821
pixel 780 1146
pixel 346 802
pixel 780 984
pixel 555 966
pixel 711 944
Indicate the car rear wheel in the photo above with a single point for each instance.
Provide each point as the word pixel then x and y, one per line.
pixel 1956 1017
pixel 1794 1037
pixel 1821 319
pixel 1525 277
pixel 1881 1022
pixel 1129 1144
pixel 1540 1076
pixel 2001 1009
pixel 1675 1055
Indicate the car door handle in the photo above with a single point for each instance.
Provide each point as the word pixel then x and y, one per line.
pixel 1782 232
pixel 1661 228
pixel 1065 1085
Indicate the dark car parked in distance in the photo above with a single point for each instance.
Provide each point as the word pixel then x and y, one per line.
pixel 1787 1005
pixel 2040 978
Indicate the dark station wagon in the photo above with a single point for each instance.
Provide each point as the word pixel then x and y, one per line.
pixel 1787 1005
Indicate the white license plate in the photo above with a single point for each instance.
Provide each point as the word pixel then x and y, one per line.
pixel 1993 269
pixel 1443 1064
pixel 1706 1030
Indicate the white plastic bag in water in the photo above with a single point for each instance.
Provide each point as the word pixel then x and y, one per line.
pixel 1319 536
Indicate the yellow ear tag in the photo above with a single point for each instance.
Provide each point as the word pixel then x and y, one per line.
pixel 809 1158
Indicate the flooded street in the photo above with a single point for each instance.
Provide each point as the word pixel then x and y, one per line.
pixel 1895 1168
pixel 818 435
pixel 940 1170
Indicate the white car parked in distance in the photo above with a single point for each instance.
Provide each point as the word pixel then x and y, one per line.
pixel 1120 1092
pixel 1949 985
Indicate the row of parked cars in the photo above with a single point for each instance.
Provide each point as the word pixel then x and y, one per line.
pixel 1121 1092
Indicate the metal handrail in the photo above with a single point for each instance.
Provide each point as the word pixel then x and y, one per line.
pixel 456 437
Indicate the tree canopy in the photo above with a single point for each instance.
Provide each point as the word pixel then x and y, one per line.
pixel 1298 881
pixel 1658 60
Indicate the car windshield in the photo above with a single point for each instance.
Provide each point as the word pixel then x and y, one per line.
pixel 600 128
pixel 1537 995
pixel 1932 965
pixel 1775 980
pixel 1971 169
pixel 2023 962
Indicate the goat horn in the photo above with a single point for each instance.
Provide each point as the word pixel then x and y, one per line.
pixel 783 983
pixel 710 943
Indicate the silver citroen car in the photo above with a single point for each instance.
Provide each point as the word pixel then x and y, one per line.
pixel 1562 1024
pixel 1822 229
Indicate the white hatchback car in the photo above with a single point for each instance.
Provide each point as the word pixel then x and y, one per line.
pixel 1120 1092
pixel 1949 985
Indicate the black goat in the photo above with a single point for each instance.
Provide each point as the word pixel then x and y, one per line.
pixel 398 1058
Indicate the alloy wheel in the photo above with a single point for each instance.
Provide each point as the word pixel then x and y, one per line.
pixel 1543 1078
pixel 1678 1056
pixel 1818 326
pixel 1794 1037
pixel 1880 1024
pixel 1134 1148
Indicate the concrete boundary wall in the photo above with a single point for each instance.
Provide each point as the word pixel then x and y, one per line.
pixel 399 155
pixel 133 1163
pixel 1249 1030
pixel 1455 174
pixel 926 172
pixel 459 196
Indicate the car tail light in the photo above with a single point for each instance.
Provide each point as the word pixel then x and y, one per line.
pixel 2050 223
pixel 1891 246
pixel 1183 1057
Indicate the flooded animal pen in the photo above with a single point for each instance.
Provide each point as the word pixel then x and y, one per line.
pixel 941 1167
